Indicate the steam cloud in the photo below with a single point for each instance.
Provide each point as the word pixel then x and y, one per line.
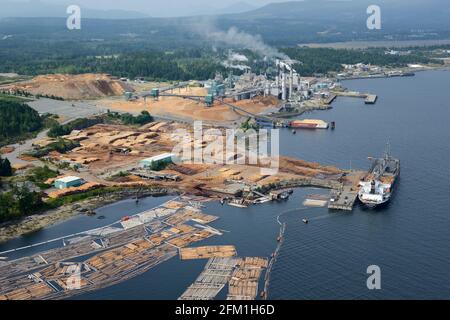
pixel 230 65
pixel 235 61
pixel 234 37
pixel 237 57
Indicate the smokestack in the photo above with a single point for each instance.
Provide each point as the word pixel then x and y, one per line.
pixel 283 86
pixel 278 74
pixel 291 82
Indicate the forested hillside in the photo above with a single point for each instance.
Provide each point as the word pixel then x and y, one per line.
pixel 17 120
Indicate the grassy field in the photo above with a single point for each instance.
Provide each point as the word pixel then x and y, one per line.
pixel 9 98
pixel 8 80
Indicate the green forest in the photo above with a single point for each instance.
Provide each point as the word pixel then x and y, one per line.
pixel 19 202
pixel 195 63
pixel 324 60
pixel 180 64
pixel 5 168
pixel 17 121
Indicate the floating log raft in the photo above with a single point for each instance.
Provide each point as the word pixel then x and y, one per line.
pixel 244 280
pixel 212 280
pixel 116 257
pixel 207 252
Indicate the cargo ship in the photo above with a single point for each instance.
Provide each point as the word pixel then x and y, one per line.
pixel 377 187
pixel 309 124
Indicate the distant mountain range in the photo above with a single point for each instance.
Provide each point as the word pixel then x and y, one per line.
pixel 40 9
pixel 238 7
pixel 286 23
pixel 36 8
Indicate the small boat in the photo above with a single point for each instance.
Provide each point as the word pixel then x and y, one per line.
pixel 237 203
pixel 261 200
pixel 294 132
pixel 305 221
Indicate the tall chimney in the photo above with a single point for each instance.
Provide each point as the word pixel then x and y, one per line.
pixel 291 83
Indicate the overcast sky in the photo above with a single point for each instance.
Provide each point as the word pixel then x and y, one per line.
pixel 155 8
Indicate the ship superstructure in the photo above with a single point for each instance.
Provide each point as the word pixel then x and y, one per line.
pixel 377 187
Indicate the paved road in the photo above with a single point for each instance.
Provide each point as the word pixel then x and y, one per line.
pixel 13 157
pixel 67 110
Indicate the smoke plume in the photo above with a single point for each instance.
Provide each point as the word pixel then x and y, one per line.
pixel 238 39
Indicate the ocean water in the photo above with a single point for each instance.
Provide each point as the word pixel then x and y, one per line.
pixel 409 239
pixel 327 259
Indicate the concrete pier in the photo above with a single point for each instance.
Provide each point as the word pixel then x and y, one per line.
pixel 343 199
pixel 371 99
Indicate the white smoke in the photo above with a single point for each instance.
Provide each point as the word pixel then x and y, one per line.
pixel 231 65
pixel 237 57
pixel 236 38
pixel 236 61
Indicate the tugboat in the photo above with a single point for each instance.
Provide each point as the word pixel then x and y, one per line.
pixel 305 221
pixel 376 189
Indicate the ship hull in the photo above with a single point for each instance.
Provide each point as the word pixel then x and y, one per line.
pixel 373 205
pixel 375 199
pixel 308 126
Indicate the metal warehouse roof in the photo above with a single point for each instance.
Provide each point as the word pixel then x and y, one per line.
pixel 160 157
pixel 68 179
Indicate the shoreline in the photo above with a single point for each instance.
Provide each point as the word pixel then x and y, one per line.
pixel 364 44
pixel 14 229
pixel 403 70
pixel 36 222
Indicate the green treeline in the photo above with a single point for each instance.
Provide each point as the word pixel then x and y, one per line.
pixel 17 120
pixel 19 202
pixel 181 61
pixel 60 145
pixel 323 60
pixel 5 168
pixel 58 130
pixel 201 64
pixel 129 119
pixel 157 65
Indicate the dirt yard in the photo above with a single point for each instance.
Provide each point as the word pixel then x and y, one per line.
pixel 73 87
pixel 189 110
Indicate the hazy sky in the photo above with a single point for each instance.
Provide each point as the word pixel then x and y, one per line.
pixel 157 8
